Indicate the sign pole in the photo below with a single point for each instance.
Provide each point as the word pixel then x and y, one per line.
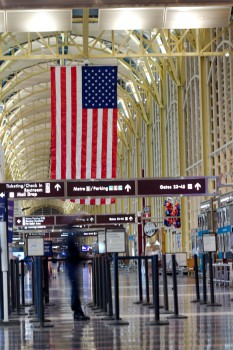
pixel 4 266
pixel 143 206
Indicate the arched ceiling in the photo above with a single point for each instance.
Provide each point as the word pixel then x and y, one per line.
pixel 25 61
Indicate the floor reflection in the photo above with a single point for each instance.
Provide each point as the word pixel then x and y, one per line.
pixel 204 328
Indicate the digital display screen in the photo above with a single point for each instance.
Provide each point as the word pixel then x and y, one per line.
pixel 85 248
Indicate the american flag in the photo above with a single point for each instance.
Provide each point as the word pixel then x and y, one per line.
pixel 84 123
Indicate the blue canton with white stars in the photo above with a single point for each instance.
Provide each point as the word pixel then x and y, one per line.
pixel 99 87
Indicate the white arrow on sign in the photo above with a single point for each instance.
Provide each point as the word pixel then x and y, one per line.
pixel 19 221
pixel 130 218
pixel 57 187
pixel 197 186
pixel 91 219
pixel 127 187
pixel 2 194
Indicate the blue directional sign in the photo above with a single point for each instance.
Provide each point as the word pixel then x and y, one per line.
pixel 2 206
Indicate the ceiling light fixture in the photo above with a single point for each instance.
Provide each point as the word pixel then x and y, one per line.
pixel 164 17
pixel 130 18
pixel 38 20
pixel 197 17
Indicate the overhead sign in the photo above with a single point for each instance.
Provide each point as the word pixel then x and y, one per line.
pixel 31 190
pixel 75 219
pixel 30 228
pixel 43 222
pixel 115 219
pixel 172 186
pixel 146 187
pixel 101 188
pixel 34 220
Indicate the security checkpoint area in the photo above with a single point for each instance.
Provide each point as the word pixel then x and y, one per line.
pixel 121 292
pixel 116 203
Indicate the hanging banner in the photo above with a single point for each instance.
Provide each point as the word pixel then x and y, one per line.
pixel 10 220
pixel 2 207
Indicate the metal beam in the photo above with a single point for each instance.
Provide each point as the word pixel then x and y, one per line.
pixel 50 4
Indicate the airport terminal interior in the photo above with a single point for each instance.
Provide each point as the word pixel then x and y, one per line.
pixel 116 123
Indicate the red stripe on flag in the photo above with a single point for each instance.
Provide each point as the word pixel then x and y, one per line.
pixel 53 124
pixel 74 121
pixel 114 142
pixel 104 143
pixel 94 142
pixel 84 144
pixel 63 122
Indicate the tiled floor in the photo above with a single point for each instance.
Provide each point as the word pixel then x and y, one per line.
pixel 204 328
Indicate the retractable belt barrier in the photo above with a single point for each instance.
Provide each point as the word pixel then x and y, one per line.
pixel 102 291
pixel 204 281
pixel 14 297
pixel 38 283
pixel 39 289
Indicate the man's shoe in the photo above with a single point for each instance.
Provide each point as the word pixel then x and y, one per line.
pixel 79 317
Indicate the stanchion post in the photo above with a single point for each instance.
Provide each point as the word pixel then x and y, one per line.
pixel 175 293
pixel 100 283
pixel 97 285
pixel 102 289
pixel 12 274
pixel 197 300
pixel 165 290
pixel 93 277
pixel 117 320
pixel 92 303
pixel 139 280
pixel 147 302
pixel 155 279
pixel 17 286
pixel 46 280
pixel 22 282
pixel 103 262
pixel 4 264
pixel 204 300
pixel 35 287
pixel 212 301
pixel 40 294
pixel 110 315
